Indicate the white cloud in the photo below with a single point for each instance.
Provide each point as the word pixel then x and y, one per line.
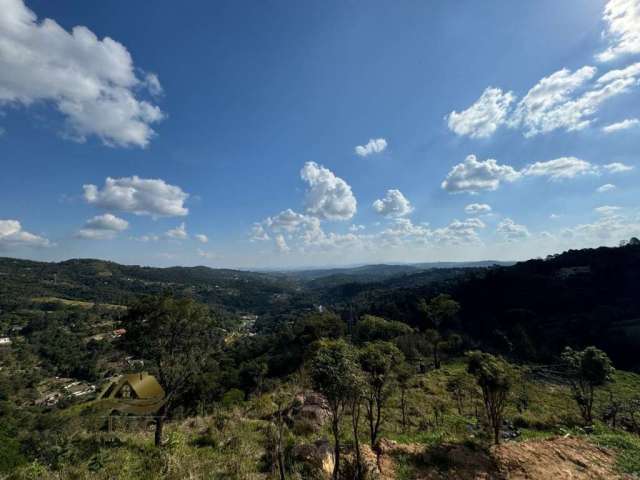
pixel 139 196
pixel 625 73
pixel 617 167
pixel 607 210
pixel 623 125
pixel 281 244
pixel 375 145
pixel 12 235
pixel 178 233
pixel 258 233
pixel 201 237
pixel 608 229
pixel 477 209
pixel 92 82
pixel 287 220
pixel 458 232
pixel 328 197
pixel 473 176
pixel 207 255
pixel 356 228
pixel 146 238
pixel 622 19
pixel 482 118
pixel 102 227
pixel 607 187
pixel 394 204
pixel 511 231
pixel 564 100
pixel 560 168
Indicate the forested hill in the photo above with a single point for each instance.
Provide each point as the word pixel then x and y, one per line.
pixel 534 308
pixel 531 309
pixel 109 282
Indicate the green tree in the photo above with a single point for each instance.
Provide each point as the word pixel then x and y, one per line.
pixel 378 361
pixel 460 387
pixel 177 339
pixel 440 310
pixel 334 372
pixel 493 376
pixel 371 328
pixel 405 374
pixel 586 370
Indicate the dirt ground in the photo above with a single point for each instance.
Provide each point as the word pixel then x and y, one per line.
pixel 559 458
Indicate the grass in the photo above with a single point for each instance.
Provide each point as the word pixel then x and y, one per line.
pixel 76 303
pixel 230 444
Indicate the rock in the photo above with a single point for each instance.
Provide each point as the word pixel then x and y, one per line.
pixel 318 455
pixel 309 411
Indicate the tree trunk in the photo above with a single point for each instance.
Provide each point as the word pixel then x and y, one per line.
pixel 436 356
pixel 355 420
pixel 159 426
pixel 403 407
pixel 336 449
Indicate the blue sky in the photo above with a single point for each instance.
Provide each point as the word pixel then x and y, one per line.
pixel 227 133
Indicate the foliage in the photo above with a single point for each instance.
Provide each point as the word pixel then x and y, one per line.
pixel 586 370
pixel 494 379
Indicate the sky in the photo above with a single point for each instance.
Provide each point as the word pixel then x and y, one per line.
pixel 289 134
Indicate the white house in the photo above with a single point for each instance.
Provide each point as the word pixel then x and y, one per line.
pixel 5 341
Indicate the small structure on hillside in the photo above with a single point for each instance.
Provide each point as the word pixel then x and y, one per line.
pixel 5 341
pixel 135 393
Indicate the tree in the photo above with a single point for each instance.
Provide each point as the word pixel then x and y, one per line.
pixel 439 310
pixel 334 373
pixel 586 370
pixel 371 328
pixel 459 386
pixel 177 340
pixel 494 379
pixel 404 375
pixel 378 361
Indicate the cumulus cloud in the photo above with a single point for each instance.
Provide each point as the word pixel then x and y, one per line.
pixel 287 220
pixel 459 232
pixel 92 82
pixel 178 233
pixel 560 168
pixel 394 204
pixel 552 104
pixel 281 244
pixel 566 100
pixel 607 210
pixel 201 237
pixel 607 187
pixel 328 197
pixel 608 229
pixel 102 227
pixel 12 235
pixel 623 125
pixel 139 196
pixel 375 145
pixel 258 233
pixel 629 72
pixel 482 118
pixel 473 176
pixel 511 231
pixel 622 20
pixel 617 167
pixel 477 209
